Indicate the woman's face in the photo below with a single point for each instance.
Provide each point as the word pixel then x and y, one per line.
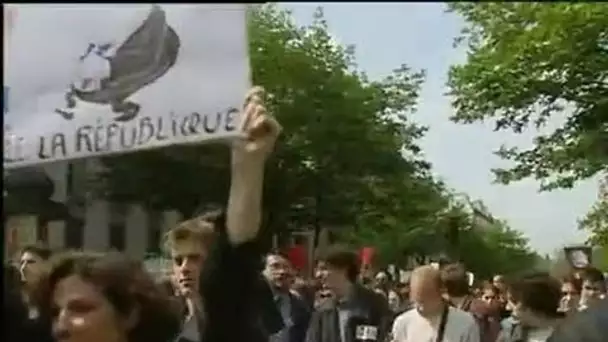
pixel 490 297
pixel 82 314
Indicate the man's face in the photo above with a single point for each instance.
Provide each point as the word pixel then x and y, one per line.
pixel 277 271
pixel 404 291
pixel 330 277
pixel 425 294
pixel 570 297
pixel 31 267
pixel 187 260
pixel 591 291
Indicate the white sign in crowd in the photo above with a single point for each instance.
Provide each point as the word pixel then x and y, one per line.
pixel 89 80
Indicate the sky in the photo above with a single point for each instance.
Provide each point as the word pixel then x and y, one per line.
pixel 420 35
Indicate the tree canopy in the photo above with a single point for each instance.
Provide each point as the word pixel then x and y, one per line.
pixel 596 223
pixel 348 158
pixel 529 63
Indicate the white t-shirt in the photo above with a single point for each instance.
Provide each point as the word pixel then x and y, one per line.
pixel 410 326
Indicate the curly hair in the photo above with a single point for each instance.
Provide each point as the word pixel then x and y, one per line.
pixel 124 283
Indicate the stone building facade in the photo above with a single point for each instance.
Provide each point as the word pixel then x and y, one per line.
pixel 91 223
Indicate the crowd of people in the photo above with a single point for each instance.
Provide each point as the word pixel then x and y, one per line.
pixel 224 288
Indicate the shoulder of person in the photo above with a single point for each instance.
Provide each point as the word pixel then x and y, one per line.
pixel 590 325
pixel 406 317
pixel 298 301
pixel 365 294
pixel 460 316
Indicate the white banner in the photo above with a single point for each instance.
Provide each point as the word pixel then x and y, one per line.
pixel 88 80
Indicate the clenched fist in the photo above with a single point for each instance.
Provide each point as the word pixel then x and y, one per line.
pixel 259 128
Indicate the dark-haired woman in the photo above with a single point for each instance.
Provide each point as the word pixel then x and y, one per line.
pixel 105 298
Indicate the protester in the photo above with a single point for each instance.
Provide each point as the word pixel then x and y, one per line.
pixel 432 318
pixel 294 311
pixel 490 295
pixel 32 264
pixel 382 283
pixel 353 310
pixel 188 245
pixel 499 281
pixel 588 326
pixel 105 298
pixel 21 327
pixel 232 291
pixel 571 294
pixel 593 287
pixel 456 283
pixel 535 301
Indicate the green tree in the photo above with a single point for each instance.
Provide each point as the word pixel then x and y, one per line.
pixel 529 62
pixel 408 222
pixel 348 143
pixel 504 251
pixel 596 220
pixel 596 223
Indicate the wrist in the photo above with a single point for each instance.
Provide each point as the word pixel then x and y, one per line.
pixel 247 161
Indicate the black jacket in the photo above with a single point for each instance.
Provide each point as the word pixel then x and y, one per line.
pixel 300 315
pixel 590 325
pixel 300 318
pixel 21 328
pixel 234 294
pixel 367 307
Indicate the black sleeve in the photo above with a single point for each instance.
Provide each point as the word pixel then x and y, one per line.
pixel 270 316
pixel 385 317
pixel 229 285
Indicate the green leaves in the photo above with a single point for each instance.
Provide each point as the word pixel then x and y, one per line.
pixel 596 222
pixel 528 62
pixel 348 157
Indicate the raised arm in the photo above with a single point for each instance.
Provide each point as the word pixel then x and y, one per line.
pixel 249 155
pixel 231 283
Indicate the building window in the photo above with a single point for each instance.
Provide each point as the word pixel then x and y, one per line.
pixel 118 236
pixel 118 226
pixel 155 231
pixel 42 233
pixel 74 233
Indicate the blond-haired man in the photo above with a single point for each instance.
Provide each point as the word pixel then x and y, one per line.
pixel 432 318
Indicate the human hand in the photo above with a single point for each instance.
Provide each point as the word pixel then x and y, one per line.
pixel 259 128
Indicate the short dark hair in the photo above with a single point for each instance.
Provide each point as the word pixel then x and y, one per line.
pixel 39 250
pixel 341 257
pixel 455 280
pixel 538 292
pixel 275 252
